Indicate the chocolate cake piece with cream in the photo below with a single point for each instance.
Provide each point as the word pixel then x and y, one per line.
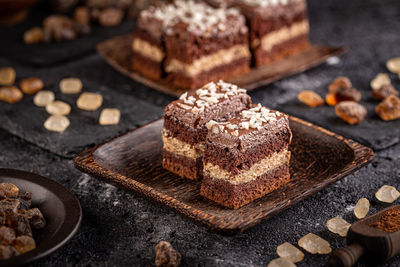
pixel 246 156
pixel 191 43
pixel 184 132
pixel 278 28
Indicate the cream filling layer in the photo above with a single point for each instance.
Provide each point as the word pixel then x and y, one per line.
pixel 284 34
pixel 208 62
pixel 176 146
pixel 148 50
pixel 267 164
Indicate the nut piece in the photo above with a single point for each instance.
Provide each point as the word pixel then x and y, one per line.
pixel 43 98
pixel 58 108
pixel 281 262
pixel 89 101
pixel 166 255
pixel 314 244
pixel 9 189
pixel 110 17
pixel 387 194
pixel 56 123
pixel 10 94
pixel 338 226
pixel 31 85
pixel 310 98
pixel 7 76
pixel 389 108
pixel 361 209
pixel 34 35
pixel 351 112
pixel 340 83
pixel 380 80
pixel 289 252
pixel 70 86
pixel 393 65
pixel 384 91
pixel 109 116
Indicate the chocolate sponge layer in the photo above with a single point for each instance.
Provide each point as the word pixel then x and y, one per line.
pixel 236 196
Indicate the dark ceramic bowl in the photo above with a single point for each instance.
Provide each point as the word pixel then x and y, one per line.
pixel 60 208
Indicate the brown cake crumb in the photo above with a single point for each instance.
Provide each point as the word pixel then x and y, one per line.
pixel 166 255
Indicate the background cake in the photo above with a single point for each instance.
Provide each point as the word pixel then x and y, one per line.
pixel 184 131
pixel 278 28
pixel 246 157
pixel 192 42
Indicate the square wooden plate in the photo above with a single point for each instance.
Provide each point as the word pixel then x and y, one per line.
pixel 133 160
pixel 117 52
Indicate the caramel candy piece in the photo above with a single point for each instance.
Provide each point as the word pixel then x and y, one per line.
pixel 56 123
pixel 24 244
pixel 31 85
pixel 89 101
pixel 393 65
pixel 110 17
pixel 380 80
pixel 10 94
pixel 34 36
pixel 71 86
pixel 349 94
pixel 43 98
pixel 7 76
pixel 340 83
pixel 109 116
pixel 362 207
pixel 166 255
pixel 315 244
pixel 58 108
pixel 289 252
pixel 310 98
pixel 389 108
pixel 351 112
pixel 384 91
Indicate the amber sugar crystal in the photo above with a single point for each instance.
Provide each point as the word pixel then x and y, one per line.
pixel 389 221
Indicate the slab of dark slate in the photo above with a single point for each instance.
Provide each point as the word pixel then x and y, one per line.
pixel 12 45
pixel 25 120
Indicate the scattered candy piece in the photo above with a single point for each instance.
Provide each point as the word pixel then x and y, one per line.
pixel 289 252
pixel 34 35
pixel 340 83
pixel 393 65
pixel 89 101
pixel 7 76
pixel 24 244
pixel 31 85
pixel 389 108
pixel 350 94
pixel 310 98
pixel 166 255
pixel 387 194
pixel 70 86
pixel 58 108
pixel 362 208
pixel 56 123
pixel 380 80
pixel 351 112
pixel 10 94
pixel 109 116
pixel 43 98
pixel 281 262
pixel 314 244
pixel 384 91
pixel 10 190
pixel 110 17
pixel 338 226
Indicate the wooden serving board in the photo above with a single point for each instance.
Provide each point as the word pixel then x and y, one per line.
pixel 133 160
pixel 117 52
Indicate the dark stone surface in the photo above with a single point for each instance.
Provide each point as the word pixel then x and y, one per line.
pixel 121 228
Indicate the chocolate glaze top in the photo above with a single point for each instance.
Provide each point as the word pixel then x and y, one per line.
pixel 195 17
pixel 214 101
pixel 248 128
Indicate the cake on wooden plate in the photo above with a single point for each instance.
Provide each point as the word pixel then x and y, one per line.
pixel 246 156
pixel 191 43
pixel 184 132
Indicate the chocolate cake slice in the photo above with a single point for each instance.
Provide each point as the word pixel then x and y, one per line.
pixel 246 157
pixel 205 44
pixel 184 131
pixel 278 28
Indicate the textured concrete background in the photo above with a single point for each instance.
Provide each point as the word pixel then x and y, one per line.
pixel 120 228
